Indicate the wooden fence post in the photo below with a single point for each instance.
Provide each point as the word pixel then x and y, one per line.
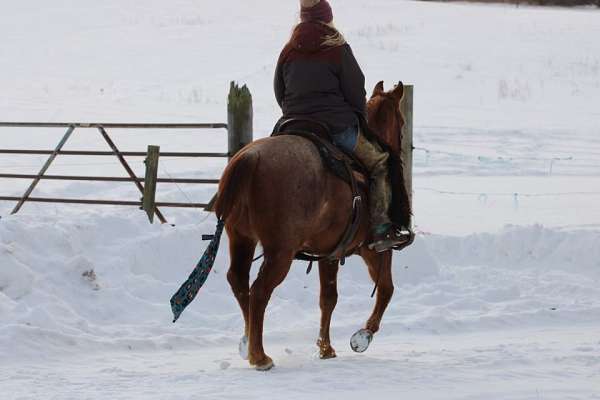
pixel 239 118
pixel 406 107
pixel 239 124
pixel 149 198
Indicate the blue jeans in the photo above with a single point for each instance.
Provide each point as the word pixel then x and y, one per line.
pixel 347 139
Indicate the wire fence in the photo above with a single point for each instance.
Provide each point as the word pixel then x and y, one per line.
pixel 428 153
pixel 492 161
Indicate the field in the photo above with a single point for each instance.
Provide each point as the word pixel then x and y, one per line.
pixel 499 297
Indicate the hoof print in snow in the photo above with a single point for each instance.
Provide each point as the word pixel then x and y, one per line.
pixel 91 277
pixel 224 365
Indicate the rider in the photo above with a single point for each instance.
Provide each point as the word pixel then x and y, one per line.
pixel 318 78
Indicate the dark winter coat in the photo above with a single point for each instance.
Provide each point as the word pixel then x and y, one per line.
pixel 319 82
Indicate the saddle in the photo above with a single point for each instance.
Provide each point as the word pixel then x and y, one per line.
pixel 341 164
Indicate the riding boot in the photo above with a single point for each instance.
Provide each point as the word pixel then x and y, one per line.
pixel 375 159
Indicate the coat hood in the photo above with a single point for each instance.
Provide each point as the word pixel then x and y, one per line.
pixel 308 37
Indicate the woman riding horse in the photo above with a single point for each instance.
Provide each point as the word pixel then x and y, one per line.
pixel 317 78
pixel 278 192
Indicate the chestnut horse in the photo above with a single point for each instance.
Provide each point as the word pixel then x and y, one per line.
pixel 277 191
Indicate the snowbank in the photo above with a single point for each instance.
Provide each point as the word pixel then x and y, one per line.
pixel 572 251
pixel 103 282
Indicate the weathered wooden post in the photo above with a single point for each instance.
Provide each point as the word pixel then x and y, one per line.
pixel 406 107
pixel 149 197
pixel 239 124
pixel 239 118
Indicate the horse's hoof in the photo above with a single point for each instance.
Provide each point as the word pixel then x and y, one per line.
pixel 265 364
pixel 327 354
pixel 360 341
pixel 243 347
pixel 325 350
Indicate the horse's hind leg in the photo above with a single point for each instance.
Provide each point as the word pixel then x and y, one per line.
pixel 380 269
pixel 273 271
pixel 241 251
pixel 328 271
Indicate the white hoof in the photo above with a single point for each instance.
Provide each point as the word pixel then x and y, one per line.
pixel 243 347
pixel 361 340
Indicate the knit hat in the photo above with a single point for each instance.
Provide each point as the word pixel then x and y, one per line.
pixel 315 10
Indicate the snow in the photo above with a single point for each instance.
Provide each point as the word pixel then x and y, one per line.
pixel 499 297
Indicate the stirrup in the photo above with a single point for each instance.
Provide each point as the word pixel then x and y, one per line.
pixel 393 238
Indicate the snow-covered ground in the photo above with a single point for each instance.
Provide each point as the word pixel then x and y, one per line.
pixel 499 298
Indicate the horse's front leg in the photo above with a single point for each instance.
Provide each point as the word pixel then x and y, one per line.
pixel 328 271
pixel 380 269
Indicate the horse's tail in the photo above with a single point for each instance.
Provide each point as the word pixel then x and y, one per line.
pixel 235 184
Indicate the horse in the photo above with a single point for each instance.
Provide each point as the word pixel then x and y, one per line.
pixel 277 191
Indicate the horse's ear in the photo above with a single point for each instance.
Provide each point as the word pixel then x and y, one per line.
pixel 398 91
pixel 378 89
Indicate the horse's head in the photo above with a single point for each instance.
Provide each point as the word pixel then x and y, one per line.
pixel 384 116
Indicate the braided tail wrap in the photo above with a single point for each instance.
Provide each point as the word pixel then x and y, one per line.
pixel 188 291
pixel 231 203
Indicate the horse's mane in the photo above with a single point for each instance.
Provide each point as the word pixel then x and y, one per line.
pixel 383 107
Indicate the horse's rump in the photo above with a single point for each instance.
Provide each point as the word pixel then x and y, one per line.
pixel 278 189
pixel 235 183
